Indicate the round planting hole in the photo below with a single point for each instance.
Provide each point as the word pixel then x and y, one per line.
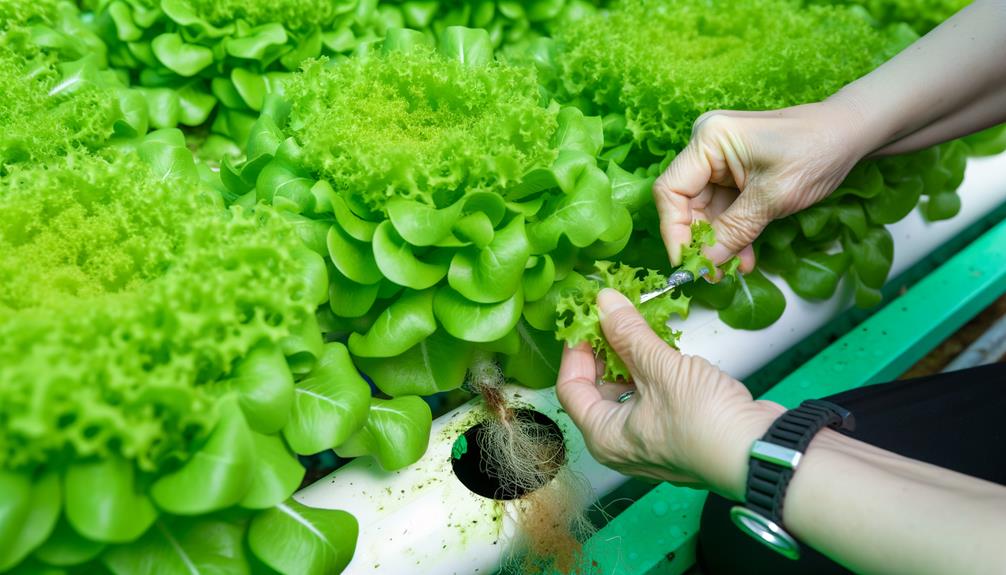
pixel 480 471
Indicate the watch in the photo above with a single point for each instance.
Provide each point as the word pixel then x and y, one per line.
pixel 774 459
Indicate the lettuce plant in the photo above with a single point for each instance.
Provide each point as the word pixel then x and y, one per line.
pixel 200 61
pixel 921 15
pixel 149 347
pixel 163 355
pixel 58 94
pixel 652 67
pixel 509 23
pixel 153 345
pixel 447 198
pixel 190 58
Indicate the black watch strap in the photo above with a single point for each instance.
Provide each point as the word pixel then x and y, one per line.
pixel 794 430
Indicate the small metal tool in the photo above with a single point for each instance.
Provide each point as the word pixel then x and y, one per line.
pixel 674 280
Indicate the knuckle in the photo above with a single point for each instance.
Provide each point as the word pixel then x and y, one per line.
pixel 737 230
pixel 662 189
pixel 710 120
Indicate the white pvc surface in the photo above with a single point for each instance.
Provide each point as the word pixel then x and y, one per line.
pixel 422 520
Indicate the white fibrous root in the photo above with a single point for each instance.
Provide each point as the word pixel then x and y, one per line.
pixel 485 378
pixel 521 452
pixel 528 460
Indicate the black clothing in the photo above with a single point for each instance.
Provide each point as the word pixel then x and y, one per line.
pixel 954 420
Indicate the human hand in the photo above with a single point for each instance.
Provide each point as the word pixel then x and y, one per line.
pixel 741 170
pixel 687 423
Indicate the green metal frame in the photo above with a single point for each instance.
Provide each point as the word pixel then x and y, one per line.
pixel 656 535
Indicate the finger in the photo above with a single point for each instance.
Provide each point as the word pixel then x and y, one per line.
pixel 683 180
pixel 737 227
pixel 575 388
pixel 747 256
pixel 612 391
pixel 647 356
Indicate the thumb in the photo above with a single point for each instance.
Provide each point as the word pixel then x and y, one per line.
pixel 648 357
pixel 738 226
pixel 673 192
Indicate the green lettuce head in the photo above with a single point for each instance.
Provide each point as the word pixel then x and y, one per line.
pixel 447 197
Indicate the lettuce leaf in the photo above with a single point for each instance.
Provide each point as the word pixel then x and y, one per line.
pixel 51 106
pixel 108 288
pixel 418 126
pixel 575 299
pixel 658 65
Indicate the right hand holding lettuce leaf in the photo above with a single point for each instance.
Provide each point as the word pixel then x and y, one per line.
pixel 741 170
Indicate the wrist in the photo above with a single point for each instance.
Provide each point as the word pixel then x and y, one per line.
pixel 857 124
pixel 750 427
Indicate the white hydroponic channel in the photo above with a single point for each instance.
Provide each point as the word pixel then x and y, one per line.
pixel 423 520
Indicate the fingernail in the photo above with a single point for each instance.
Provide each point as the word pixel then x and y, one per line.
pixel 609 301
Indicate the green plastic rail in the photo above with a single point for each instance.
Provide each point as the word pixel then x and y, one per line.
pixel 656 535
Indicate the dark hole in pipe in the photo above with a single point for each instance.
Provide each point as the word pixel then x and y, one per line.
pixel 475 472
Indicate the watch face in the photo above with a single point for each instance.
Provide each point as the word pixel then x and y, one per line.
pixel 765 530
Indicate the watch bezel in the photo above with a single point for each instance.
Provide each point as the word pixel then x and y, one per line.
pixel 766 531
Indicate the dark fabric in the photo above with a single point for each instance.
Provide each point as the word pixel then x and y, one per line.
pixel 954 420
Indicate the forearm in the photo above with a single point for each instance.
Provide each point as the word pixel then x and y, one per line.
pixel 877 512
pixel 981 114
pixel 948 83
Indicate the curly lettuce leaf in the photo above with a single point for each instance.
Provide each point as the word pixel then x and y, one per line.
pixel 921 15
pixel 419 126
pixel 574 299
pixel 656 66
pixel 49 108
pixel 107 286
pixel 578 318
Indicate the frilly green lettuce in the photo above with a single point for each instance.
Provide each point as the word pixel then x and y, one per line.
pixel 921 15
pixel 508 23
pixel 107 286
pixel 448 199
pixel 23 12
pixel 417 126
pixel 659 65
pixel 576 312
pixel 58 96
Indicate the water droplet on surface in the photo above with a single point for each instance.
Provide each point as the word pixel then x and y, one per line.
pixel 660 509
